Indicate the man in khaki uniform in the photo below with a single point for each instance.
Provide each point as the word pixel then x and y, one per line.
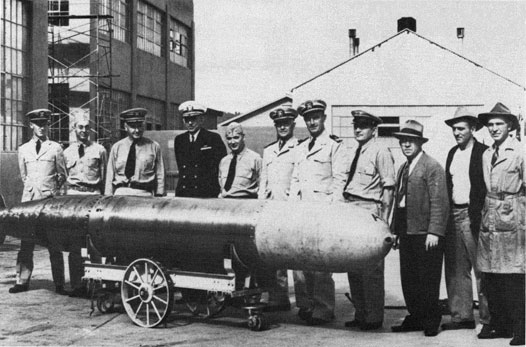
pixel 43 171
pixel 278 163
pixel 135 164
pixel 240 170
pixel 319 174
pixel 370 185
pixel 86 166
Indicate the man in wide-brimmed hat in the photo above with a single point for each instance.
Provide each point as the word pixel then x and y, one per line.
pixel 501 241
pixel 420 218
pixel 466 191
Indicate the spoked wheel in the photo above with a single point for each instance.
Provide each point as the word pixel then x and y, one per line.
pixel 215 303
pixel 146 293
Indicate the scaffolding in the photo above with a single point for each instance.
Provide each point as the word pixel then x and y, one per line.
pixel 80 70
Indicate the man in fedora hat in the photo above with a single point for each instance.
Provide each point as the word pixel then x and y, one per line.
pixel 420 218
pixel 370 185
pixel 466 191
pixel 198 153
pixel 501 249
pixel 43 171
pixel 135 163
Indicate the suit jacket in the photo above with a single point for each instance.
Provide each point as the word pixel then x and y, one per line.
pixel 476 179
pixel 427 203
pixel 198 164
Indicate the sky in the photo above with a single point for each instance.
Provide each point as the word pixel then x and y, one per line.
pixel 250 52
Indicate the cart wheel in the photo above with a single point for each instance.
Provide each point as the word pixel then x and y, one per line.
pixel 257 322
pixel 106 302
pixel 215 303
pixel 146 293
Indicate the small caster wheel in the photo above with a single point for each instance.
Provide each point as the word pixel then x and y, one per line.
pixel 106 303
pixel 257 322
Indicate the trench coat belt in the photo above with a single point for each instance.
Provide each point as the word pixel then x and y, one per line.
pixel 460 205
pixel 135 185
pixel 504 195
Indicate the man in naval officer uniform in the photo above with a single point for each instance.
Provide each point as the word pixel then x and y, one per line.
pixel 135 163
pixel 319 174
pixel 86 167
pixel 278 163
pixel 198 153
pixel 43 171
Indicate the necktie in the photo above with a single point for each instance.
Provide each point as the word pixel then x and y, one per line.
pixel 403 182
pixel 192 139
pixel 311 143
pixel 494 158
pixel 129 170
pixel 81 151
pixel 354 163
pixel 231 173
pixel 39 144
pixel 281 143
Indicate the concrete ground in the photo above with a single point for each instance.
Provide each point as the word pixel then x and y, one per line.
pixel 41 317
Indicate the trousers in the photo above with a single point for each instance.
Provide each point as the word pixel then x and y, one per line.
pixel 315 292
pixel 460 257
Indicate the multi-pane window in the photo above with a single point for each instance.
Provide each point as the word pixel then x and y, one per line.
pixel 58 10
pixel 149 29
pixel 13 74
pixel 120 10
pixel 156 112
pixel 179 43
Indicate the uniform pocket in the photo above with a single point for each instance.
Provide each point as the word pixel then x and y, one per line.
pixel 506 215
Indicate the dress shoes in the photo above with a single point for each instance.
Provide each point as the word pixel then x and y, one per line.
pixel 305 314
pixel 353 323
pixel 19 288
pixel 371 326
pixel 459 325
pixel 406 327
pixel 60 290
pixel 431 332
pixel 316 321
pixel 517 341
pixel 488 332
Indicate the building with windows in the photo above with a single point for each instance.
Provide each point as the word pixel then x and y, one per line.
pixel 23 82
pixel 407 76
pixel 110 55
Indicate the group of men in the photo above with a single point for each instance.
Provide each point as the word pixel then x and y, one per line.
pixel 473 211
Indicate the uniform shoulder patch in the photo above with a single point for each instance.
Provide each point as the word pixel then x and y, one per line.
pixel 270 144
pixel 335 138
pixel 302 140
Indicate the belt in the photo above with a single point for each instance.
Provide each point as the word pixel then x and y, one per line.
pixel 503 195
pixel 84 188
pixel 135 185
pixel 352 197
pixel 460 205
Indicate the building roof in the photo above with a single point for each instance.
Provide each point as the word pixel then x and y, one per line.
pixel 263 108
pixel 394 37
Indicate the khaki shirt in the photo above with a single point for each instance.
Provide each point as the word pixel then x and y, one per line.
pixel 374 171
pixel 42 173
pixel 149 165
pixel 88 170
pixel 277 169
pixel 321 173
pixel 246 180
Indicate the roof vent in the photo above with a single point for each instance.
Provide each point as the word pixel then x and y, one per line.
pixel 407 23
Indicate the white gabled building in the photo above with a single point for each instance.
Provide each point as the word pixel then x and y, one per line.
pixel 410 77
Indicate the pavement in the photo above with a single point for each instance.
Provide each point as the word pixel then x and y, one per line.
pixel 41 317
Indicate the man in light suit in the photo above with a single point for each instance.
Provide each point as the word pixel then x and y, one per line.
pixel 43 170
pixel 278 163
pixel 319 174
pixel 420 219
pixel 198 153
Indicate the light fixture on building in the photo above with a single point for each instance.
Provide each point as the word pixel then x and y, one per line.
pixel 460 33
